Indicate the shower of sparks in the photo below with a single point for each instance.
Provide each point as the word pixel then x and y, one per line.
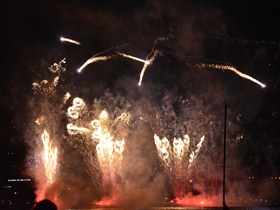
pixel 49 157
pixel 109 148
pixel 94 59
pixel 149 61
pixel 231 68
pixel 134 58
pixel 46 87
pixel 63 39
pixel 174 159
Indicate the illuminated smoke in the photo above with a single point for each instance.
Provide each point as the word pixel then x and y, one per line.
pixel 70 41
pixel 231 68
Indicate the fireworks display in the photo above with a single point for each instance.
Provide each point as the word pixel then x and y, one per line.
pixel 102 131
pixel 105 131
pixel 131 116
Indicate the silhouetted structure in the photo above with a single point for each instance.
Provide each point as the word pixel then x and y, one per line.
pixel 44 205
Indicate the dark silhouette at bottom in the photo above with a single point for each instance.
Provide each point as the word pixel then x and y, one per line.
pixel 44 205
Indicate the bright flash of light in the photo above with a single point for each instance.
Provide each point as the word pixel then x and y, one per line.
pixel 148 61
pixel 49 157
pixel 63 39
pixel 231 68
pixel 94 59
pixel 134 58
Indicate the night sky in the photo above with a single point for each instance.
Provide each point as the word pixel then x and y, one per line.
pixel 243 34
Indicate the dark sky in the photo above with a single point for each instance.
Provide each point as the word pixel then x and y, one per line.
pixel 244 34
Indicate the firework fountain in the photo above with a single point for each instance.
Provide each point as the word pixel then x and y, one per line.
pixel 108 133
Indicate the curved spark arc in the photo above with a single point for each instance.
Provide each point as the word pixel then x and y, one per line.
pixel 93 60
pixel 63 39
pixel 231 68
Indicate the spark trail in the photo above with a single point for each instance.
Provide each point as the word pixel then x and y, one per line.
pixel 152 56
pixel 134 58
pixel 231 68
pixel 94 59
pixel 63 39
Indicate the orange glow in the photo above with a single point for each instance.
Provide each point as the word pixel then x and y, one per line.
pixel 104 202
pixel 196 201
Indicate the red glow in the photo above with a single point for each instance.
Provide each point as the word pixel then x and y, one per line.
pixel 104 202
pixel 196 201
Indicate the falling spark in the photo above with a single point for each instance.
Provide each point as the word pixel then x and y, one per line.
pixel 231 68
pixel 149 62
pixel 66 97
pixel 70 41
pixel 49 157
pixel 194 154
pixel 134 58
pixel 94 59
